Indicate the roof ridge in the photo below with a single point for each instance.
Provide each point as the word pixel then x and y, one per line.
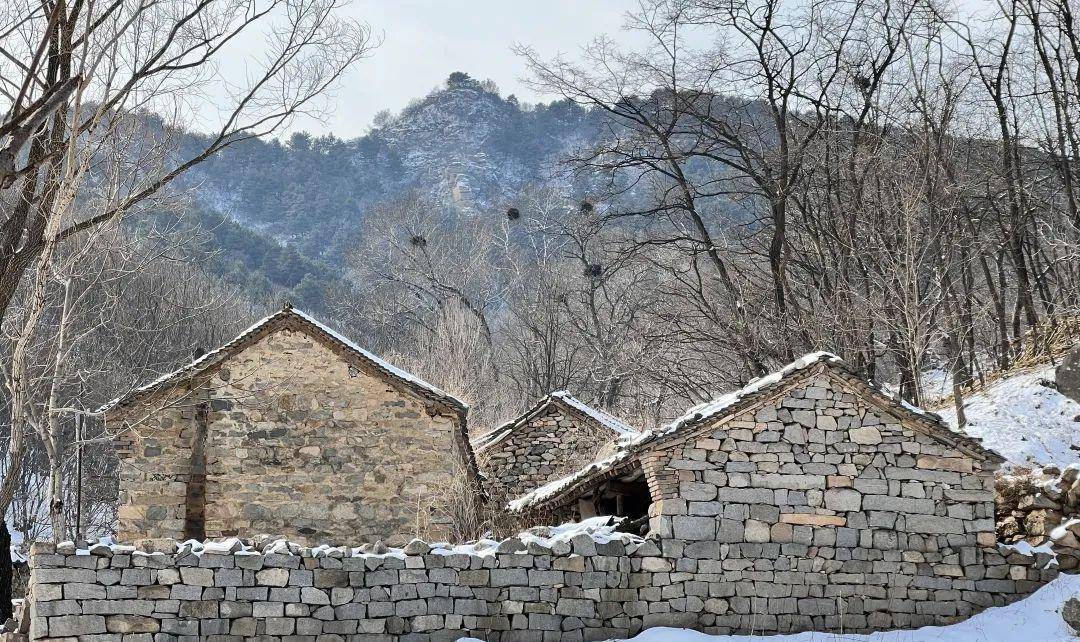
pixel 223 351
pixel 703 412
pixel 605 419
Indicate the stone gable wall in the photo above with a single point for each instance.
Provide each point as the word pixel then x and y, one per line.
pixel 557 591
pixel 816 495
pixel 301 443
pixel 548 446
pixel 155 464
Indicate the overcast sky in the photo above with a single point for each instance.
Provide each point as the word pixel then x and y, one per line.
pixel 425 40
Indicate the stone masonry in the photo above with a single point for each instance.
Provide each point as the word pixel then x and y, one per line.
pixel 558 590
pixel 821 495
pixel 550 440
pixel 299 437
pixel 808 500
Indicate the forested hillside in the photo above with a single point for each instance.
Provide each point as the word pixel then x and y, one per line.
pixel 463 142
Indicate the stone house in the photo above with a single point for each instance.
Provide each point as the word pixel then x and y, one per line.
pixel 807 500
pixel 811 484
pixel 289 429
pixel 549 440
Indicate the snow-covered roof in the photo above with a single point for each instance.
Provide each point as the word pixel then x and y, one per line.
pixel 291 318
pixel 628 448
pixel 563 399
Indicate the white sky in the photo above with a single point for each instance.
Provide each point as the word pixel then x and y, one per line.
pixel 426 40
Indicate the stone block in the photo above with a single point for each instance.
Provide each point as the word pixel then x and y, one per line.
pixel 694 528
pixel 76 625
pixel 127 624
pixel 933 525
pixel 808 519
pixel 314 596
pixel 196 576
pixel 867 436
pixel 272 577
pixel 843 500
pixel 755 531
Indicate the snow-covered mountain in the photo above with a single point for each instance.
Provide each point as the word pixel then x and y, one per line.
pixel 463 142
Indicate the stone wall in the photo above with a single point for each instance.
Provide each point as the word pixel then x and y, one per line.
pixel 819 493
pixel 581 587
pixel 1041 507
pixel 549 445
pixel 155 465
pixel 298 441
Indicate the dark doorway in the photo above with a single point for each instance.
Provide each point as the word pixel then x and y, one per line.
pixel 624 496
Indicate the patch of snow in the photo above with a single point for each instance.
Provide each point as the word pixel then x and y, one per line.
pixel 936 383
pixel 1026 422
pixel 601 529
pixel 1025 547
pixel 721 403
pixel 1063 529
pixel 1036 618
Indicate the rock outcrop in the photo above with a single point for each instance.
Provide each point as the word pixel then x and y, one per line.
pixel 1070 612
pixel 1068 374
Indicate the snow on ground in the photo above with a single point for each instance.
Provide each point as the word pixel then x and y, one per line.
pixel 936 383
pixel 1034 619
pixel 1023 420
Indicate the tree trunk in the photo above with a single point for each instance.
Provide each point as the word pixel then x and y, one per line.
pixel 6 572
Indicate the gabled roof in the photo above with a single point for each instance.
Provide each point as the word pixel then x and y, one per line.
pixel 291 319
pixel 568 403
pixel 727 406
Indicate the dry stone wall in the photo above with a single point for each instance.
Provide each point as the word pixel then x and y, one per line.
pixel 546 447
pixel 298 442
pixel 1042 508
pixel 588 586
pixel 821 503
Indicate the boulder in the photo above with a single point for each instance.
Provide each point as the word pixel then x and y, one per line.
pixel 1008 527
pixel 1068 374
pixel 1068 563
pixel 1038 500
pixel 1072 497
pixel 1070 612
pixel 1041 521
